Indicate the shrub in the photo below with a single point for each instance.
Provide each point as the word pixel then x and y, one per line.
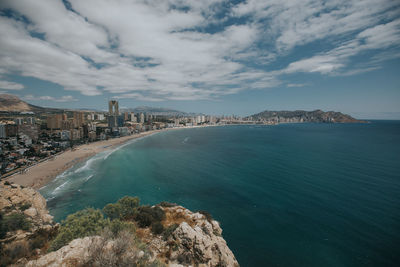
pixel 185 258
pixel 167 204
pixel 13 222
pixel 3 229
pixel 14 251
pixel 112 211
pixel 25 206
pixel 128 206
pixel 83 223
pixel 206 214
pixel 117 226
pixel 157 228
pixel 147 215
pixel 169 230
pixel 40 238
pixel 124 209
pixel 7 183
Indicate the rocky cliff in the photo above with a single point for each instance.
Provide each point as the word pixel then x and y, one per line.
pixel 25 223
pixel 185 238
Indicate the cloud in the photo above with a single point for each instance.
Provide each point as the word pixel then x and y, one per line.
pixel 378 37
pixel 66 98
pixel 6 85
pixel 296 84
pixel 189 50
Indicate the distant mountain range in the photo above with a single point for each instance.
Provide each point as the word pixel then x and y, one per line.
pixel 12 103
pixel 157 111
pixel 304 116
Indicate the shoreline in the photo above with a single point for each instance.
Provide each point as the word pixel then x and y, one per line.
pixel 42 173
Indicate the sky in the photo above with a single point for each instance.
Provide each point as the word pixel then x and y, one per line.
pixel 209 56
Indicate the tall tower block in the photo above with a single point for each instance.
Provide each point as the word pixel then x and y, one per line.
pixel 113 108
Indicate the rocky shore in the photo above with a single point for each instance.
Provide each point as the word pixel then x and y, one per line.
pixel 188 239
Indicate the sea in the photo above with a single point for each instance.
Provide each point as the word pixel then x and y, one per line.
pixel 285 195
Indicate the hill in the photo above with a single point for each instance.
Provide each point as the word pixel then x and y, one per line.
pixel 12 103
pixel 304 116
pixel 157 111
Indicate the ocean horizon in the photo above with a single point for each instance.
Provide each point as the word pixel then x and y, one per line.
pixel 286 195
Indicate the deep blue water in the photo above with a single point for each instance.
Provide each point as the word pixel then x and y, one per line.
pixel 286 195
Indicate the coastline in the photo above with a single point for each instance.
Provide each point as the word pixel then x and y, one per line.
pixel 44 172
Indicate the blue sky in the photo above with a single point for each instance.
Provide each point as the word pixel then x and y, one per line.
pixel 210 56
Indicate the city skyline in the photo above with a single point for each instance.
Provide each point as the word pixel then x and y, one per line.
pixel 214 57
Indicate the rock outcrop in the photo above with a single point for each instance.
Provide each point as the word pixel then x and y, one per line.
pixel 188 239
pixel 196 241
pixel 26 225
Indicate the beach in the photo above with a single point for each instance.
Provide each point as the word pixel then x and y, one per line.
pixel 42 173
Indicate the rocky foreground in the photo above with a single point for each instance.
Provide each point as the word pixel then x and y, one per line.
pixel 185 238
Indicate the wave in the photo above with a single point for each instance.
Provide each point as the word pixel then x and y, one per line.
pixel 60 186
pixel 87 178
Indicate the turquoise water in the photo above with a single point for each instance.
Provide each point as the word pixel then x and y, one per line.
pixel 286 195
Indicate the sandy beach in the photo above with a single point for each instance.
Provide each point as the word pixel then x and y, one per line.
pixel 42 173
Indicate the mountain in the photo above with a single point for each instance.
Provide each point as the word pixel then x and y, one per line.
pixel 12 103
pixel 304 116
pixel 157 111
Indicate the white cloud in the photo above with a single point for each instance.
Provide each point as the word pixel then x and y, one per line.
pixel 160 50
pixel 6 85
pixel 296 84
pixel 378 37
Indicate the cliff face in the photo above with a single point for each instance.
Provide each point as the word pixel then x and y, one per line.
pixel 25 223
pixel 191 239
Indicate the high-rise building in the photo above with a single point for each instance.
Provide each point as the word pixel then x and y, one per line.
pixel 141 118
pixel 133 117
pixel 126 116
pixel 54 121
pixel 79 118
pixel 113 113
pixel 113 107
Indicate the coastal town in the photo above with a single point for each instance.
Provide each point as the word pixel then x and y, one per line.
pixel 28 138
pixel 30 134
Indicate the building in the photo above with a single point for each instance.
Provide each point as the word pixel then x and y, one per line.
pixel 126 116
pixel 2 130
pixel 54 121
pixel 67 124
pixel 141 118
pixel 30 120
pixel 65 135
pixel 113 113
pixel 133 117
pixel 19 121
pixel 113 107
pixel 100 117
pixel 79 118
pixel 30 130
pixel 92 136
pixel 11 130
